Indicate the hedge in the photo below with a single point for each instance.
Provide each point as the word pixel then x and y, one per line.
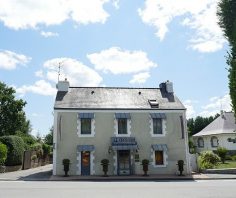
pixel 3 153
pixel 15 149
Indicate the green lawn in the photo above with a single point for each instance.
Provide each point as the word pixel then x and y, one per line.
pixel 227 164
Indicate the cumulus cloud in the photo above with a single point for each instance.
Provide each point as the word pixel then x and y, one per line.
pixel 76 72
pixel 139 78
pixel 40 87
pixel 39 73
pixel 10 60
pixel 30 13
pixel 215 105
pixel 189 104
pixel 49 34
pixel 118 61
pixel 199 16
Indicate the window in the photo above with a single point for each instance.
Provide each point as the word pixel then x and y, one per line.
pixel 200 142
pixel 85 126
pixel 157 126
pixel 122 126
pixel 214 141
pixel 159 158
pixel 136 157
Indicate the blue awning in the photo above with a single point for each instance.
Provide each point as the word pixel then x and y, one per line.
pixel 86 115
pixel 159 147
pixel 124 147
pixel 85 148
pixel 122 115
pixel 158 115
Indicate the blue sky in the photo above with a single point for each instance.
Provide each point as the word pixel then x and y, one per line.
pixel 137 43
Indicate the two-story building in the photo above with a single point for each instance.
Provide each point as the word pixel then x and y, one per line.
pixel 123 125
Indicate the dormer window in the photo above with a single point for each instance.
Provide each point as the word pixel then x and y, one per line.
pixel 153 103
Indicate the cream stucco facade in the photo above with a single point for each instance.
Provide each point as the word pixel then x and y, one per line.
pixel 67 138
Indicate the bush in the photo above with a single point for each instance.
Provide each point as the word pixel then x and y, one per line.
pixel 15 149
pixel 28 139
pixel 46 150
pixel 3 153
pixel 233 157
pixel 221 151
pixel 228 157
pixel 38 148
pixel 208 159
pixel 33 157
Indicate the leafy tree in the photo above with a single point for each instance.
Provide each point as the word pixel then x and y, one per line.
pixel 227 21
pixel 12 116
pixel 49 137
pixel 3 153
pixel 199 123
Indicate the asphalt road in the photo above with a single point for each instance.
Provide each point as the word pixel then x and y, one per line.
pixel 168 189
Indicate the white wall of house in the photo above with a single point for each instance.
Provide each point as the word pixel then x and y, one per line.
pixel 104 130
pixel 222 140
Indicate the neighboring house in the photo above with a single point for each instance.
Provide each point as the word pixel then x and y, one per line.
pixel 220 133
pixel 123 125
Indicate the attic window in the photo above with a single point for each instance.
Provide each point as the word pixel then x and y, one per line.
pixel 153 103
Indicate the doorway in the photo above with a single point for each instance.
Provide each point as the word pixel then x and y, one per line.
pixel 124 164
pixel 85 163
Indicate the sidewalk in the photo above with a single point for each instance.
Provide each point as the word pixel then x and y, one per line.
pixel 192 177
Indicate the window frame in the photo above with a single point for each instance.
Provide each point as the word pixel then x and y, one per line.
pixel 198 142
pixel 212 142
pixel 155 126
pixel 82 121
pixel 153 157
pixel 79 127
pixel 122 128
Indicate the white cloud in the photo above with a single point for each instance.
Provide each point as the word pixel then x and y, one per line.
pixel 115 3
pixel 49 34
pixel 31 14
pixel 10 60
pixel 76 72
pixel 189 104
pixel 39 73
pixel 118 61
pixel 139 78
pixel 200 16
pixel 40 87
pixel 216 104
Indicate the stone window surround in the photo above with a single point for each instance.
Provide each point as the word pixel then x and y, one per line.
pixel 79 128
pixel 198 142
pixel 92 164
pixel 116 128
pixel 212 141
pixel 163 127
pixel 165 156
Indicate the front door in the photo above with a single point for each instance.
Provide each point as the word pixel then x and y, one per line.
pixel 85 163
pixel 124 167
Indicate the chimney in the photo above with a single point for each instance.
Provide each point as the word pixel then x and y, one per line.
pixel 167 87
pixel 63 85
pixel 222 114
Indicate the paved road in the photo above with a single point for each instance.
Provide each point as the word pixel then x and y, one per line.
pixel 181 189
pixel 39 173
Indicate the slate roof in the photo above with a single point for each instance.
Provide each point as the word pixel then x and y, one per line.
pixel 115 98
pixel 221 125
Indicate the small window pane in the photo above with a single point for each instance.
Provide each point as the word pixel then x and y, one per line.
pixel 157 126
pixel 159 158
pixel 122 126
pixel 85 126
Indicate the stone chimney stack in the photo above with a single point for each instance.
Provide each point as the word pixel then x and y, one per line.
pixel 167 87
pixel 63 85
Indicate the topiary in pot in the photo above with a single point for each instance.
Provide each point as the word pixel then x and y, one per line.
pixel 145 163
pixel 66 163
pixel 105 163
pixel 180 164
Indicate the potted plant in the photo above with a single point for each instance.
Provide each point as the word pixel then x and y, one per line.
pixel 66 164
pixel 145 163
pixel 180 164
pixel 105 163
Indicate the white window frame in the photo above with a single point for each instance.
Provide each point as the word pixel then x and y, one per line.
pixel 212 142
pixel 165 156
pixel 79 128
pixel 198 142
pixel 163 121
pixel 116 128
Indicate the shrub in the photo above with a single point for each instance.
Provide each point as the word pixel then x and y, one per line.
pixel 15 149
pixel 208 159
pixel 228 157
pixel 38 148
pixel 221 151
pixel 28 139
pixel 46 150
pixel 3 153
pixel 233 157
pixel 33 157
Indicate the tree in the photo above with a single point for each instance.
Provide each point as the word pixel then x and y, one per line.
pixel 227 21
pixel 12 116
pixel 49 137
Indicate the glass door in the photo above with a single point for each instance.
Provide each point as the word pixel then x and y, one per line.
pixel 85 163
pixel 124 162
